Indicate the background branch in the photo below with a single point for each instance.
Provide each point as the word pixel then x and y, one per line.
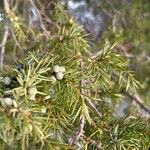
pixel 136 98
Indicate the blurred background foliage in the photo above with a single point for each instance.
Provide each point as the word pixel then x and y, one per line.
pixel 124 21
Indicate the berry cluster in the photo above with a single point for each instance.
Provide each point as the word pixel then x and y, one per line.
pixel 58 72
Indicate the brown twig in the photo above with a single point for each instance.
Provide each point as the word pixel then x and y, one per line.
pixel 101 52
pixel 2 46
pixel 94 107
pixel 78 132
pixel 42 26
pixel 135 98
pixel 6 33
pixel 88 98
pixel 15 39
pixel 96 144
pixel 97 54
pixel 6 6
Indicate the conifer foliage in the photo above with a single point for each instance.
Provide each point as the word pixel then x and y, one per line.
pixel 55 92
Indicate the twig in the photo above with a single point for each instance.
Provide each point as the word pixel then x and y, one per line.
pixel 5 36
pixel 88 98
pixel 78 132
pixel 94 107
pixel 96 144
pixel 16 5
pixel 48 20
pixel 2 46
pixel 39 17
pixel 90 141
pixel 101 52
pixel 6 33
pixel 135 98
pixel 96 55
pixel 43 13
pixel 6 6
pixel 15 39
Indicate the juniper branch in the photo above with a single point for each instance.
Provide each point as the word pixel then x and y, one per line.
pixel 88 98
pixel 79 131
